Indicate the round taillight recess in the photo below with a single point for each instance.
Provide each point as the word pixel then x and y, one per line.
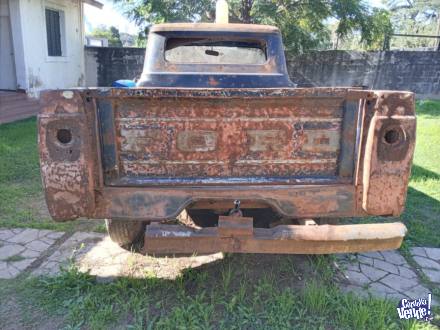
pixel 393 135
pixel 64 136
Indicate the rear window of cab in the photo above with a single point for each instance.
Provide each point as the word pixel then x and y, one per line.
pixel 215 51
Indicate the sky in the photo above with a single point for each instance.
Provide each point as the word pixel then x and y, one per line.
pixel 110 16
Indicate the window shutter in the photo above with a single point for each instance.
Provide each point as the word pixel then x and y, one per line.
pixel 53 29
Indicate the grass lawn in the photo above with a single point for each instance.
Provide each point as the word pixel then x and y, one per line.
pixel 242 291
pixel 422 215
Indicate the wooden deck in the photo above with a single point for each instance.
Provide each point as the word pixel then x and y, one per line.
pixel 16 105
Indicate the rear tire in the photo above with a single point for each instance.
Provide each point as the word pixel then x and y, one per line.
pixel 126 233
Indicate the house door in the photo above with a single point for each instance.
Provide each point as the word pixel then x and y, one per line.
pixel 8 80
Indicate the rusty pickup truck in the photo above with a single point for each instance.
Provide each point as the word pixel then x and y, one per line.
pixel 215 149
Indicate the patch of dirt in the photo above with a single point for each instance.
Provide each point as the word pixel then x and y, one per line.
pixel 14 315
pixel 284 270
pixel 38 207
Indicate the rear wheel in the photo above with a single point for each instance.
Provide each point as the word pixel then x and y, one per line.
pixel 126 233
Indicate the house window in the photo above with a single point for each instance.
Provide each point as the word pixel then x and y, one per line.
pixel 55 32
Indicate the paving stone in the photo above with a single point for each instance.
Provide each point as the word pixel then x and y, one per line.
pixel 43 233
pixel 55 256
pixel 418 251
pixel 37 246
pixel 375 255
pixel 10 250
pixel 357 278
pixel 372 273
pixel 427 263
pixel 421 291
pixel 5 234
pixel 379 290
pixel 22 264
pixel 398 283
pixel 386 266
pixel 394 257
pixel 26 236
pixel 9 273
pixel 433 253
pixel 433 275
pixel 48 268
pixel 407 272
pixel 365 260
pixel 84 236
pixel 55 235
pixel 346 264
pixel 395 296
pixel 17 230
pixel 30 253
pixel 47 240
pixel 356 290
pixel 27 245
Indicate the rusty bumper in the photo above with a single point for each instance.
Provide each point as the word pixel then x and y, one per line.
pixel 285 239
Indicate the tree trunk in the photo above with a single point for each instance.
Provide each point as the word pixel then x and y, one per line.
pixel 245 11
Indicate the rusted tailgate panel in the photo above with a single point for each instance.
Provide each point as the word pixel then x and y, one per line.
pixel 219 138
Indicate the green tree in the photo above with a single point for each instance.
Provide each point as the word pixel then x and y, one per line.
pixel 303 23
pixel 141 38
pixel 111 34
pixel 421 17
pixel 380 29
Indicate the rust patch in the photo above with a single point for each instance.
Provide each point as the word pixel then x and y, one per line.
pixel 291 239
pixel 65 156
pixel 266 140
pixel 226 137
pixel 388 158
pixel 196 141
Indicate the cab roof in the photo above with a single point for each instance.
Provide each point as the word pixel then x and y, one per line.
pixel 230 27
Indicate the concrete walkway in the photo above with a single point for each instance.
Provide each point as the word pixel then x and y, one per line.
pixel 42 252
pixel 382 274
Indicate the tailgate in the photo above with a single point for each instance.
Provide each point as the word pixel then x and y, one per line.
pixel 265 136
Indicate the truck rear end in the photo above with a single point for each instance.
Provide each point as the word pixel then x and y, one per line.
pixel 225 143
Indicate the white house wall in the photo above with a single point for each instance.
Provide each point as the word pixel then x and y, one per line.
pixel 43 71
pixel 17 41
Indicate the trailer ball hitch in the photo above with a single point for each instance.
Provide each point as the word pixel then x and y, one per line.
pixel 236 212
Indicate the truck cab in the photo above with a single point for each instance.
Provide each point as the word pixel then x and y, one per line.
pixel 210 55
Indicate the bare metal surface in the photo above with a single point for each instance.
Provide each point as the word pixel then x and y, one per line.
pixel 280 239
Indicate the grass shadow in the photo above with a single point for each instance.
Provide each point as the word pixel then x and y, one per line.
pixel 429 108
pixel 421 173
pixel 422 217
